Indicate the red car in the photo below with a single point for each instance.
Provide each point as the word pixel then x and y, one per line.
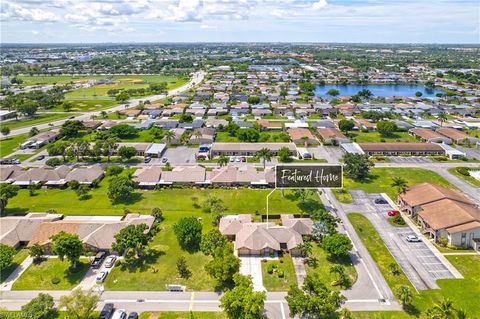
pixel 393 213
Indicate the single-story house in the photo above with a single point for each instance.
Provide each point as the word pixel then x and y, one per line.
pixel 302 136
pixel 202 135
pixel 426 135
pixel 332 135
pixel 456 135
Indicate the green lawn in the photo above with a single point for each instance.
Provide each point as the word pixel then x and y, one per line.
pixel 9 144
pixel 37 119
pixel 381 179
pixel 182 315
pixel 65 79
pixel 39 276
pixel 272 282
pixel 17 260
pixel 375 137
pixel 322 268
pixel 463 292
pixel 342 196
pixel 468 179
pixel 87 105
pixel 265 136
pixel 175 201
pixel 377 249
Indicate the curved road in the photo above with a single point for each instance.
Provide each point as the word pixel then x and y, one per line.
pixel 195 80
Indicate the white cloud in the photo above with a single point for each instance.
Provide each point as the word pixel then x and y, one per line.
pixel 15 11
pixel 319 5
pixel 208 27
pixel 187 10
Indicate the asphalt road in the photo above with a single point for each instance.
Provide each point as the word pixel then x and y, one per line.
pixel 195 80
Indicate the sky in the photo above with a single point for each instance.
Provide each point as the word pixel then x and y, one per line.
pixel 354 21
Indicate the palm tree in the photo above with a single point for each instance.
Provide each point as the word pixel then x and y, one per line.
pixel 169 136
pixel 400 183
pixel 404 294
pixel 442 117
pixel 265 154
pixel 222 160
pixel 345 313
pixel 461 314
pixel 339 271
pixel 109 146
pixel 445 309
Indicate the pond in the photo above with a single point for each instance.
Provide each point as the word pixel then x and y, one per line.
pixel 383 90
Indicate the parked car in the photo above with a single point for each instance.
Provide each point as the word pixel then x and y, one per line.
pixel 72 117
pixel 101 276
pixel 147 159
pixel 97 261
pixel 107 311
pixel 15 161
pixel 380 201
pixel 164 160
pixel 133 315
pixel 413 239
pixel 110 261
pixel 41 157
pixel 243 159
pixel 393 213
pixel 232 159
pixel 119 314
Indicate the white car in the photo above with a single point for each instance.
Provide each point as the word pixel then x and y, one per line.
pixel 110 261
pixel 101 276
pixel 412 239
pixel 119 314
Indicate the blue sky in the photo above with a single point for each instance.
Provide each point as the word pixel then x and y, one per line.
pixel 372 21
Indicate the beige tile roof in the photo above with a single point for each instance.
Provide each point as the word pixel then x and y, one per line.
pixel 328 133
pixel 184 174
pixel 426 193
pixel 425 133
pixel 463 227
pixel 452 133
pixel 447 213
pixel 147 175
pixel 400 147
pixel 85 174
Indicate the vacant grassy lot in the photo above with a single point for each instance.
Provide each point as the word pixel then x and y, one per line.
pixel 375 137
pixel 322 268
pixel 380 179
pixel 273 282
pixel 17 260
pixel 9 144
pixel 86 105
pixel 175 201
pixel 270 136
pixel 468 179
pixel 182 315
pixel 39 276
pixel 463 292
pixel 36 119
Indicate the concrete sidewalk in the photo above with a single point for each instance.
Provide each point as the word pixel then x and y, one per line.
pixel 7 284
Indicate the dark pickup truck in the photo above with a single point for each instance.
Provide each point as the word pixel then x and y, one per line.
pixel 97 261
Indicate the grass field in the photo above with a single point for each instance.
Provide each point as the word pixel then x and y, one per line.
pixel 271 136
pixel 17 260
pixel 375 137
pixel 65 79
pixel 9 144
pixel 37 119
pixel 381 179
pixel 86 105
pixel 469 179
pixel 39 276
pixel 272 282
pixel 182 315
pixel 463 292
pixel 342 196
pixel 322 269
pixel 176 201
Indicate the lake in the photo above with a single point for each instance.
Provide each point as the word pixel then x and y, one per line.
pixel 377 89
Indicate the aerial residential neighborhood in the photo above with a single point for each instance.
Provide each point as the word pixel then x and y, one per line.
pixel 239 159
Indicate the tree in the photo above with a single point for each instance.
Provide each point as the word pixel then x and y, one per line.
pixel 357 166
pixel 305 249
pixel 222 160
pixel 333 92
pixel 169 136
pixel 265 154
pixel 82 191
pixel 186 118
pixel 40 307
pixel 7 191
pixel 442 117
pixel 303 194
pixel 386 128
pixel 127 152
pixel 189 233
pixel 365 93
pixel 253 100
pixel 224 264
pixel 120 189
pixel 58 148
pixel 67 246
pixel 67 106
pixel 36 251
pixel 248 135
pixel 122 96
pixel 345 313
pixel 284 155
pixel 131 237
pixel 71 128
pixel 108 146
pixel 157 214
pixel 442 310
pixel 5 130
pixel 241 302
pixel 418 94
pixel 114 170
pixel 342 278
pixel 337 245
pixel 404 294
pixel 314 300
pixel 346 125
pixel 52 162
pixel 400 184
pixel 123 131
pixel 79 304
pixel 6 255
pixel 211 241
pixel 182 267
pixel 33 131
pixel 28 108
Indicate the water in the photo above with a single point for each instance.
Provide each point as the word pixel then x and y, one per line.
pixel 383 90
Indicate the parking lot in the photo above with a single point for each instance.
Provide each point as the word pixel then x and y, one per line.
pixel 409 159
pixel 180 155
pixel 418 261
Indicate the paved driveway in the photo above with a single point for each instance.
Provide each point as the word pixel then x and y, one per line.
pixel 181 155
pixel 418 261
pixel 252 266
